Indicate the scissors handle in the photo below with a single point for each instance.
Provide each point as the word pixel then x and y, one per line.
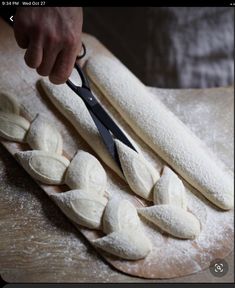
pixel 85 83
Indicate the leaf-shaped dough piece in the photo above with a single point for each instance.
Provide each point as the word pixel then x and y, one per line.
pixel 140 174
pixel 130 246
pixel 172 219
pixel 43 136
pixel 82 207
pixel 169 189
pixel 120 215
pixel 49 168
pixel 86 172
pixel 9 104
pixel 13 127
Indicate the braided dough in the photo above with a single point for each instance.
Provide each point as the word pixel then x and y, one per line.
pixel 161 129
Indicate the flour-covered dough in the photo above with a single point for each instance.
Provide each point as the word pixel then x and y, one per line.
pixel 49 168
pixel 140 174
pixel 161 129
pixel 9 104
pixel 43 136
pixel 169 189
pixel 172 219
pixel 82 207
pixel 13 127
pixel 86 172
pixel 120 215
pixel 130 246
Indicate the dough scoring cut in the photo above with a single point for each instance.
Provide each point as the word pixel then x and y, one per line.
pixel 43 136
pixel 172 219
pixel 155 124
pixel 9 104
pixel 130 246
pixel 140 174
pixel 86 172
pixel 13 127
pixel 48 168
pixel 82 207
pixel 169 189
pixel 120 215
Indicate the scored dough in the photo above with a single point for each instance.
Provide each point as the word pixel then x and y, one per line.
pixel 43 136
pixel 86 172
pixel 169 189
pixel 9 104
pixel 140 174
pixel 13 127
pixel 130 246
pixel 161 129
pixel 82 207
pixel 120 215
pixel 49 168
pixel 172 219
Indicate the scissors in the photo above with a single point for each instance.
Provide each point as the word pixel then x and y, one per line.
pixel 106 126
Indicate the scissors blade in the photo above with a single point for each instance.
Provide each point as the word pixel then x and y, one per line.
pixel 107 138
pixel 109 123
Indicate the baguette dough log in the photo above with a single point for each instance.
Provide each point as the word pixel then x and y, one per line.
pixel 161 129
pixel 74 109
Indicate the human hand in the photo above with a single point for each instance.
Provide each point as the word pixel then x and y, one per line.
pixel 52 37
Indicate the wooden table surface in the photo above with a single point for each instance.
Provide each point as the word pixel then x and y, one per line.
pixel 37 242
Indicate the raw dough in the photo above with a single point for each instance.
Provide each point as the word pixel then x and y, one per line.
pixel 161 129
pixel 120 215
pixel 49 168
pixel 43 136
pixel 86 172
pixel 9 104
pixel 140 174
pixel 13 127
pixel 74 109
pixel 130 246
pixel 82 207
pixel 172 219
pixel 169 189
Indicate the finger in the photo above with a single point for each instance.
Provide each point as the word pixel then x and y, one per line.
pixel 48 60
pixel 63 66
pixel 34 54
pixel 21 38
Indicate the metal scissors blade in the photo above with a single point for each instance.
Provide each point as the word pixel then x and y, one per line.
pixel 106 126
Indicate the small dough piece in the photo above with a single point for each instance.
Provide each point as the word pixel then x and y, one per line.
pixel 131 246
pixel 86 172
pixel 82 207
pixel 13 127
pixel 172 219
pixel 49 168
pixel 169 189
pixel 120 215
pixel 43 136
pixel 9 104
pixel 140 175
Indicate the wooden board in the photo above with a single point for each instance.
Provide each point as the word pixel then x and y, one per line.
pixel 178 266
